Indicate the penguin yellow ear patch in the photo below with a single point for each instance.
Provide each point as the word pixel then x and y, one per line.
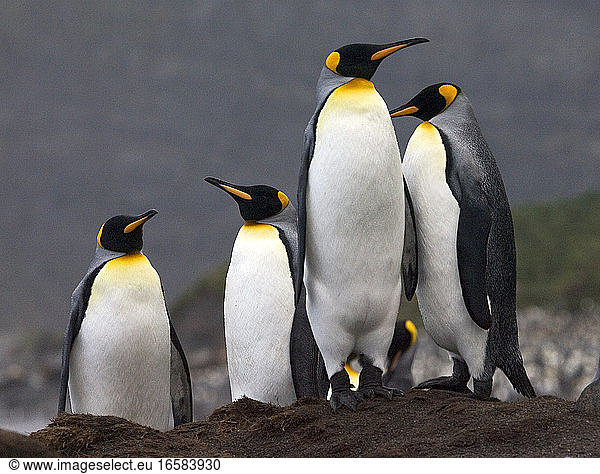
pixel 332 61
pixel 284 200
pixel 100 235
pixel 449 93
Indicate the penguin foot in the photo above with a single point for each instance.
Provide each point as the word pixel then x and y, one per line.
pixel 348 398
pixel 341 395
pixel 482 389
pixel 370 383
pixel 396 392
pixel 381 391
pixel 449 383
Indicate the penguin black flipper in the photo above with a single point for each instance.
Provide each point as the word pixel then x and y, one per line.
pixel 308 368
pixel 181 384
pixel 410 256
pixel 309 146
pixel 79 304
pixel 474 225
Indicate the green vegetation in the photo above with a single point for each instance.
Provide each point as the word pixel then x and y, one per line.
pixel 558 258
pixel 558 253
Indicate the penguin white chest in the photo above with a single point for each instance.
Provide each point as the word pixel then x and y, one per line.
pixel 355 213
pixel 259 311
pixel 439 291
pixel 120 360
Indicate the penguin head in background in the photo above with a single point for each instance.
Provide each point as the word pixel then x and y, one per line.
pixel 405 336
pixel 428 103
pixel 255 202
pixel 362 60
pixel 124 233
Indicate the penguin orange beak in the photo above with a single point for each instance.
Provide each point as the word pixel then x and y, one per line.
pixel 393 47
pixel 140 220
pixel 228 187
pixel 402 111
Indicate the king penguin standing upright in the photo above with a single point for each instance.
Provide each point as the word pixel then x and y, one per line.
pixel 121 355
pixel 467 260
pixel 272 356
pixel 351 220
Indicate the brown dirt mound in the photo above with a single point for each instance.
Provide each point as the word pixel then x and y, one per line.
pixel 420 424
pixel 16 445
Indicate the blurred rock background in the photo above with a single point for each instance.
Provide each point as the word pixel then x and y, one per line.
pixel 120 106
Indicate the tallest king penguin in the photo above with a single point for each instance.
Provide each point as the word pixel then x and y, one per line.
pixel 351 220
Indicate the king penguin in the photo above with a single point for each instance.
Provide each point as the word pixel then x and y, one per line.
pixel 351 220
pixel 272 356
pixel 466 286
pixel 121 355
pixel 400 356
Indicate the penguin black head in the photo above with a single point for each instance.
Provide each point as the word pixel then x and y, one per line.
pixel 428 103
pixel 255 202
pixel 124 233
pixel 405 335
pixel 362 60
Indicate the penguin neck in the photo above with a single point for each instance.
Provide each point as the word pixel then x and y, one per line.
pixel 355 96
pixel 132 256
pixel 131 260
pixel 132 271
pixel 358 84
pixel 327 83
pixel 288 215
pixel 256 230
pixel 101 255
pixel 460 111
pixel 426 125
pixel 254 226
